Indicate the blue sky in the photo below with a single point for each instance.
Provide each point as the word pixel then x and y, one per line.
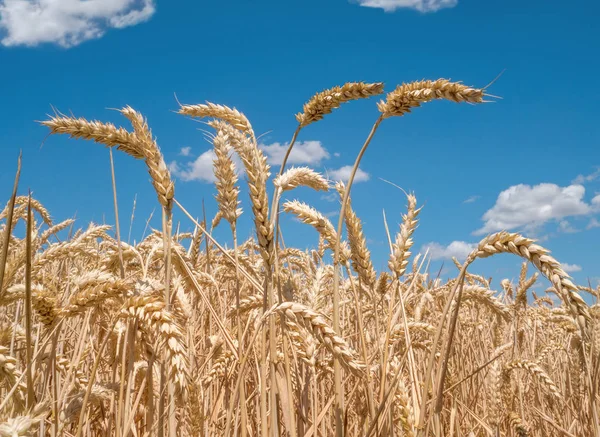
pixel 528 162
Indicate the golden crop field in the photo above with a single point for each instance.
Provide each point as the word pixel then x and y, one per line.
pixel 179 335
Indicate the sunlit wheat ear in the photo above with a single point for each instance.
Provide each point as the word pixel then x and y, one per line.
pixel 92 289
pixel 148 148
pixel 257 172
pixel 487 298
pixel 35 205
pixel 301 177
pixel 504 242
pixel 155 320
pixel 221 112
pixel 226 179
pixel 410 95
pixel 535 370
pixel 401 246
pixel 360 255
pixel 326 101
pixel 311 216
pixel 316 324
pixel 139 145
pixel 103 133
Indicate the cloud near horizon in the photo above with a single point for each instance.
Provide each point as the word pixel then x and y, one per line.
pixel 419 5
pixel 67 23
pixel 456 249
pixel 529 207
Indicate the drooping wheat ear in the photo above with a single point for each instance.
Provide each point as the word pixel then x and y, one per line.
pixel 360 254
pixel 535 370
pixel 401 247
pixel 211 110
pixel 35 205
pixel 92 289
pixel 504 242
pixel 324 102
pixel 104 133
pixel 154 319
pixel 301 176
pixel 311 216
pixel 148 149
pixel 410 95
pixel 315 323
pixel 77 246
pixel 487 298
pixel 226 179
pixel 53 230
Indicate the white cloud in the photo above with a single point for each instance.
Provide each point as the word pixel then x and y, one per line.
pixel 472 199
pixel 594 223
pixel 331 197
pixel 582 179
pixel 201 169
pixel 419 5
pixel 67 22
pixel 570 268
pixel 527 206
pixel 457 249
pixel 185 151
pixel 307 152
pixel 566 227
pixel 342 174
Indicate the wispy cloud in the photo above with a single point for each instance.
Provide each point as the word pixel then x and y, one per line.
pixel 331 197
pixel 570 268
pixel 343 173
pixel 566 227
pixel 472 199
pixel 419 5
pixel 532 206
pixel 582 179
pixel 307 152
pixel 185 151
pixel 67 22
pixel 593 223
pixel 457 249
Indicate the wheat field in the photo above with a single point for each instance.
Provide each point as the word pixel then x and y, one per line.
pixel 178 335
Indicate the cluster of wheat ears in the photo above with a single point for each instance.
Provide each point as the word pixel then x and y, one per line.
pixel 179 335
